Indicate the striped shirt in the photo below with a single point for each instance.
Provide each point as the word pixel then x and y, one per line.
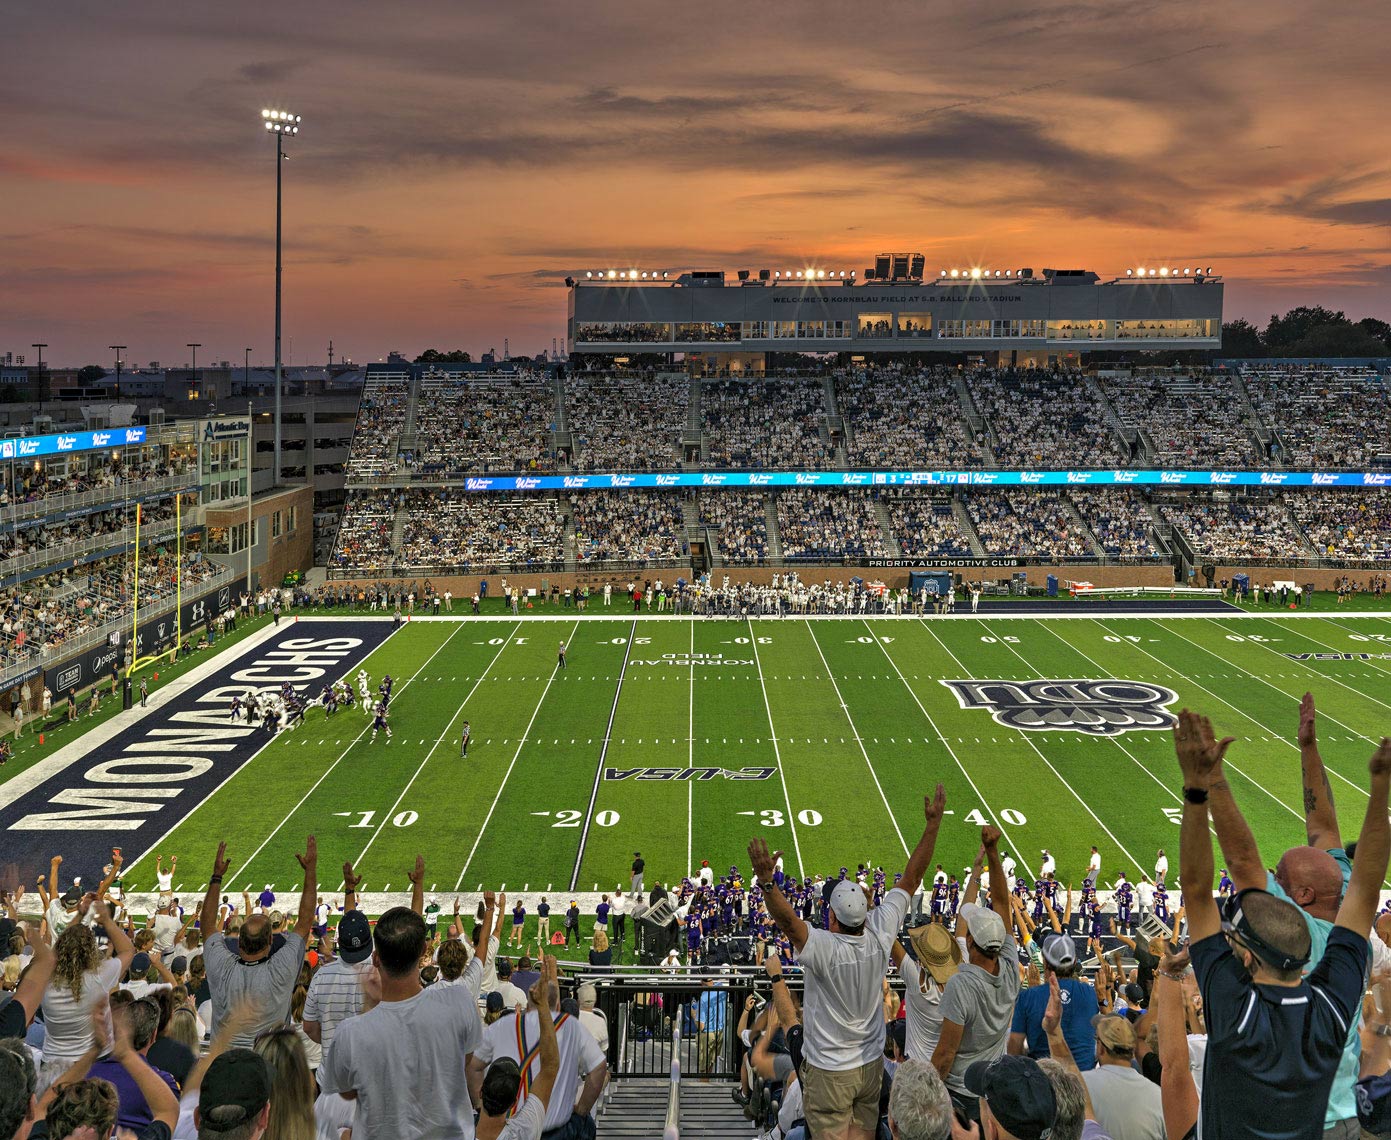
pixel 335 994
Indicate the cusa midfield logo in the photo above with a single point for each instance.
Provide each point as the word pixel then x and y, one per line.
pixel 1099 708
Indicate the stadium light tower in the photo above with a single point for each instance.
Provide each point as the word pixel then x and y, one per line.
pixel 42 385
pixel 118 349
pixel 195 346
pixel 280 124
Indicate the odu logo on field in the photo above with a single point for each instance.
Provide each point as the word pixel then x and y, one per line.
pixel 1098 708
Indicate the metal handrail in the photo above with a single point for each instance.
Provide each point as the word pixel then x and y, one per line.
pixel 123 538
pixel 51 504
pixel 73 646
pixel 672 1129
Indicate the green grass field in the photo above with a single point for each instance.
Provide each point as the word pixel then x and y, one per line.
pixel 849 716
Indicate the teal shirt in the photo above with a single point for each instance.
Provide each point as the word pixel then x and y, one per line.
pixel 1342 1100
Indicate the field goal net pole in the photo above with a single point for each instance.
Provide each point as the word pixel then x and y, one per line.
pixel 135 598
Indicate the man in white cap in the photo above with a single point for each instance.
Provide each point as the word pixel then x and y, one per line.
pixel 843 966
pixel 978 1002
pixel 1049 866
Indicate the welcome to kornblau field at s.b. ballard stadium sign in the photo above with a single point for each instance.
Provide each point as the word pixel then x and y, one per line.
pixel 1122 477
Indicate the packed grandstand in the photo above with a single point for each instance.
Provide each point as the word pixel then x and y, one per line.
pixel 411 511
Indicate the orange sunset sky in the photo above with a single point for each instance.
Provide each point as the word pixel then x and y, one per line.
pixel 459 158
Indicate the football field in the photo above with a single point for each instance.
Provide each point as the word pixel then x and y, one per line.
pixel 684 739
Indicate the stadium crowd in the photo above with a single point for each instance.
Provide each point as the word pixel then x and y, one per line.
pixel 904 418
pixel 102 472
pixel 1253 528
pixel 1122 525
pixel 825 524
pixel 40 615
pixel 1259 1007
pixel 380 418
pixel 1342 524
pixel 740 519
pixel 762 424
pixel 484 424
pixel 1038 416
pixel 1027 524
pixel 926 527
pixel 1192 421
pixel 628 526
pixel 626 423
pixel 447 529
pixel 1323 417
pixel 364 531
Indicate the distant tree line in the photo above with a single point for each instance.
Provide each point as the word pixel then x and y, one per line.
pixel 1308 331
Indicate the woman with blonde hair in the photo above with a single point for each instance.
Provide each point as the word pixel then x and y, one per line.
pixel 81 981
pixel 183 1028
pixel 292 1089
pixel 600 955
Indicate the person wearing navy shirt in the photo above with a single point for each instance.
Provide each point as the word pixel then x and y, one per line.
pixel 543 921
pixel 601 915
pixel 518 924
pixel 1275 1036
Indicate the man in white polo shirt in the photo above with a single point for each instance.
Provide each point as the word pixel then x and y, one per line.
pixel 842 1011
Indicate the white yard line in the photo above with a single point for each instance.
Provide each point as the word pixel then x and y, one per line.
pixel 932 724
pixel 1319 676
pixel 1027 739
pixel 777 752
pixel 1174 672
pixel 603 754
pixel 392 810
pixel 1386 644
pixel 508 775
pixel 324 774
pixel 855 732
pixel 1288 696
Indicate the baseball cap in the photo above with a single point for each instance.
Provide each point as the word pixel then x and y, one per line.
pixel 140 965
pixel 1059 950
pixel 848 904
pixel 1115 1032
pixel 938 952
pixel 277 919
pixel 237 1079
pixel 987 929
pixel 1019 1094
pixel 179 965
pixel 354 937
pixel 495 1003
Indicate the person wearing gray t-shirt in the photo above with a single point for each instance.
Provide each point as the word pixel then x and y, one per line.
pixel 258 972
pixel 978 1002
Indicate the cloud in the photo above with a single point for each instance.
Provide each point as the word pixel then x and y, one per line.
pixel 270 71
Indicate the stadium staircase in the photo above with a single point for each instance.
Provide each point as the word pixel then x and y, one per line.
pixel 886 528
pixel 567 517
pixel 770 515
pixel 1126 435
pixel 1082 525
pixel 1265 437
pixel 636 1109
pixel 968 528
pixel 975 424
pixel 407 439
pixel 693 435
pixel 833 425
pixel 1311 549
pixel 398 528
